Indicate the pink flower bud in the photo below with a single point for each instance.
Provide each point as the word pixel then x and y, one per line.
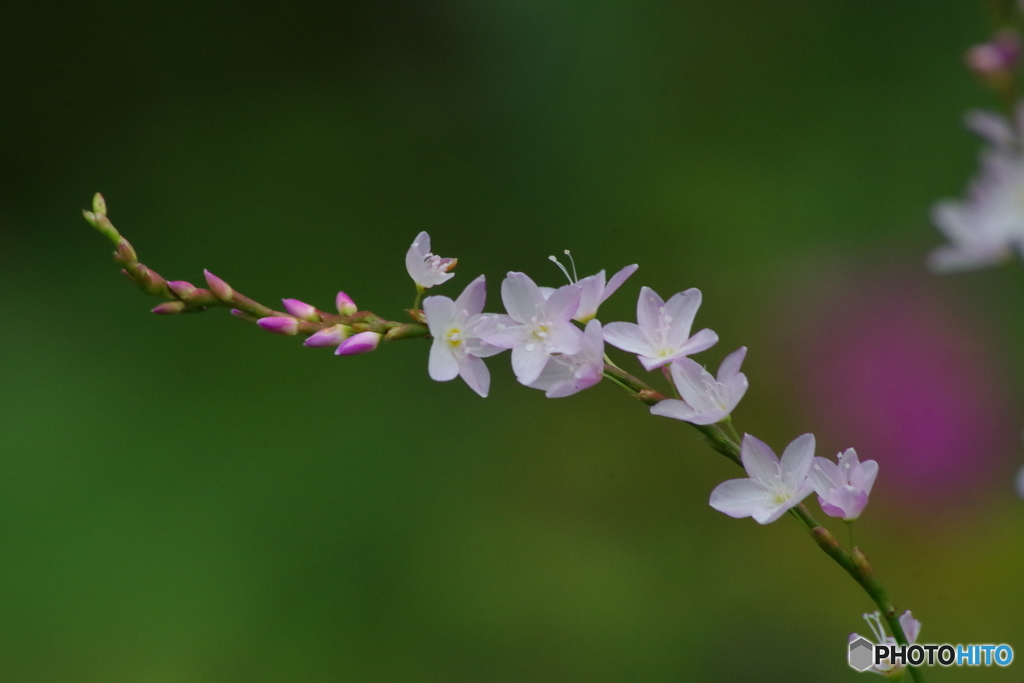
pixel 169 308
pixel 364 342
pixel 220 289
pixel 279 325
pixel 997 56
pixel 301 310
pixel 181 288
pixel 331 336
pixel 345 304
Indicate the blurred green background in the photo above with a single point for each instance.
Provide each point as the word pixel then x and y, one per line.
pixel 191 500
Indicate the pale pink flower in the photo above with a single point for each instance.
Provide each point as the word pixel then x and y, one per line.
pixel 986 228
pixel 535 326
pixel 705 400
pixel 663 331
pixel 911 629
pixel 774 486
pixel 426 269
pixel 565 375
pixel 457 348
pixel 843 488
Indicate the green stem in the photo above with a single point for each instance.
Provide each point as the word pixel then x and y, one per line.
pixel 854 562
pixel 730 429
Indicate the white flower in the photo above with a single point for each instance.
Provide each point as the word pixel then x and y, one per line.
pixel 565 375
pixel 705 400
pixel 843 489
pixel 457 349
pixel 535 326
pixel 987 228
pixel 663 332
pixel 426 269
pixel 911 629
pixel 773 487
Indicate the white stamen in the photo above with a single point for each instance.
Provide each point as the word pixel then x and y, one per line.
pixel 562 268
pixel 575 277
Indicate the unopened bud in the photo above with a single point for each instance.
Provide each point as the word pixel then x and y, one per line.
pixel 331 336
pixel 150 281
pixel 220 289
pixel 181 288
pixel 99 204
pixel 364 342
pixel 345 304
pixel 301 310
pixel 104 225
pixel 90 217
pixel 170 308
pixel 125 253
pixel 279 325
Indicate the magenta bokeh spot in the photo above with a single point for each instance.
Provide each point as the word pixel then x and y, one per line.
pixel 896 371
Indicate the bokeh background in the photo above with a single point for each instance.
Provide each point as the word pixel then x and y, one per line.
pixel 188 499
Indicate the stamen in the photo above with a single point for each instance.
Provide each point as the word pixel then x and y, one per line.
pixel 575 277
pixel 562 268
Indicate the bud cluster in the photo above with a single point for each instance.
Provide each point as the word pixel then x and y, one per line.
pixel 349 331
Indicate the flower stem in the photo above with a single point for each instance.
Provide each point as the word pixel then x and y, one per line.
pixel 730 429
pixel 854 562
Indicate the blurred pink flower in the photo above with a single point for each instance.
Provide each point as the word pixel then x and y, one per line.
pixel 891 366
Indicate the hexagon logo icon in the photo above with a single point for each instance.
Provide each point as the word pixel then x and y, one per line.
pixel 862 654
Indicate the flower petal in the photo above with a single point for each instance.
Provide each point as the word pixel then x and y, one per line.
pixel 680 311
pixel 760 461
pixel 522 298
pixel 563 302
pixel 826 477
pixel 648 309
pixel 442 365
pixel 863 476
pixel 617 280
pixel 730 366
pixel 471 301
pixel 796 462
pixel 528 361
pixel 440 313
pixel 629 337
pixel 670 407
pixel 740 498
pixel 701 341
pixel 474 371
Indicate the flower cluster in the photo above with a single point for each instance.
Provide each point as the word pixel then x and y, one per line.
pixel 775 485
pixel 557 345
pixel 552 353
pixel 986 228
